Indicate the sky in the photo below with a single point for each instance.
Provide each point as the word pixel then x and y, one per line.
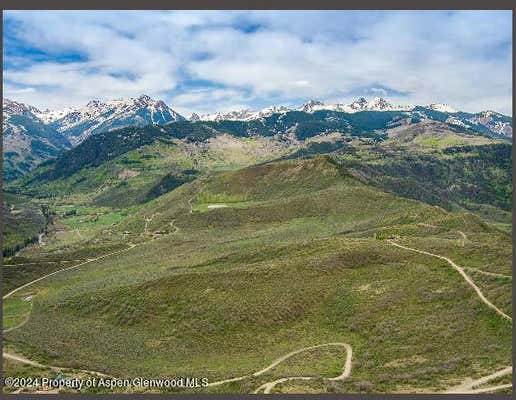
pixel 206 61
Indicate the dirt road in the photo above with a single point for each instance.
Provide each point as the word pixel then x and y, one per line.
pixel 489 273
pixel 471 386
pixel 26 361
pixel 460 270
pixel 131 246
pixel 268 386
pixel 36 364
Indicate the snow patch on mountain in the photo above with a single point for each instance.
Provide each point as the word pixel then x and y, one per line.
pixel 456 121
pixel 361 104
pixel 76 124
pixel 493 121
pixel 376 104
pixel 96 116
pixel 49 116
pixel 194 117
pixel 244 114
pixel 27 140
pixel 445 108
pixel 11 108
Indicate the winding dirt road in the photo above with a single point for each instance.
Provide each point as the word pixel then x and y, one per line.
pixel 346 371
pixel 489 273
pixel 471 386
pixel 131 246
pixel 460 270
pixel 24 320
pixel 462 240
pixel 147 220
pixel 268 386
pixel 43 262
pixel 26 361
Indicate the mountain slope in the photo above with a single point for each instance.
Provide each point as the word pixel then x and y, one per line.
pixel 32 136
pixel 288 129
pixel 493 121
pixel 131 165
pixel 486 122
pixel 434 134
pixel 22 222
pixel 293 256
pixel 27 141
pixel 48 132
pixel 474 177
pixel 96 116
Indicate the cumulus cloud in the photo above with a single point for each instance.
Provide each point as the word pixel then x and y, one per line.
pixel 203 61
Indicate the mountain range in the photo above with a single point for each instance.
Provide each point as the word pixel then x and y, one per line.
pixel 32 136
pixel 79 123
pixel 493 121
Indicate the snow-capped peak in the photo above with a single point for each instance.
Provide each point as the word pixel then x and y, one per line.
pixel 312 105
pixel 97 115
pixel 145 99
pixel 96 103
pixel 266 112
pixel 236 115
pixel 380 104
pixel 49 116
pixel 244 114
pixel 16 108
pixel 194 117
pixel 494 121
pixel 489 113
pixel 359 105
pixel 376 104
pixel 445 108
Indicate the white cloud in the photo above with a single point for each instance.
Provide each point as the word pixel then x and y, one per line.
pixel 379 91
pixel 13 92
pixel 201 101
pixel 208 60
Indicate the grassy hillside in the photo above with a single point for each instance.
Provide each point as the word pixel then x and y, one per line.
pixel 432 134
pixel 478 178
pixel 22 222
pixel 438 163
pixel 141 174
pixel 225 273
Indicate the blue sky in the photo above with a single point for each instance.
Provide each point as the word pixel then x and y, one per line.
pixel 205 61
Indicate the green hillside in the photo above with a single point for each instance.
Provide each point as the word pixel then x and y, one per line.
pixel 438 163
pixel 225 271
pixel 477 178
pixel 22 221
